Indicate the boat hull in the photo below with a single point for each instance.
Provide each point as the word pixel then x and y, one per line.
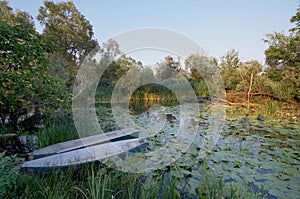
pixel 85 142
pixel 78 157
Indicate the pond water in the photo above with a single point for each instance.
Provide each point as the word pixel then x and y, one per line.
pixel 259 154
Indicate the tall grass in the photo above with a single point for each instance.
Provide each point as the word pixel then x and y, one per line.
pixel 91 182
pixel 97 181
pixel 57 130
pixel 100 182
pixel 271 107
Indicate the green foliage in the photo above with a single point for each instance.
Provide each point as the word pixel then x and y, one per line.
pixel 147 75
pixel 118 68
pixel 16 18
pixel 153 92
pixel 200 88
pixel 128 83
pixel 237 75
pixel 49 185
pixel 58 68
pixel 203 74
pixel 110 49
pixel 68 29
pixel 22 48
pixel 296 19
pixel 58 130
pixel 271 107
pixel 204 67
pixel 283 59
pixel 229 64
pixel 250 78
pixel 124 71
pixel 244 72
pixel 25 85
pixel 168 68
pixel 8 175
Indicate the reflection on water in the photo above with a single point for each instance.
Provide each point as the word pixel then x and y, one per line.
pixel 139 107
pixel 258 154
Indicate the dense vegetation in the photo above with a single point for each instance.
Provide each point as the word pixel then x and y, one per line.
pixel 38 70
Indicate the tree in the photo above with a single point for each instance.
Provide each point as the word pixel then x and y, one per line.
pixel 249 73
pixel 296 19
pixel 229 65
pixel 25 86
pixel 200 67
pixel 202 70
pixel 147 80
pixel 110 50
pixel 114 69
pixel 168 68
pixel 66 27
pixel 244 77
pixel 147 75
pixel 283 60
pixel 118 68
pixel 14 18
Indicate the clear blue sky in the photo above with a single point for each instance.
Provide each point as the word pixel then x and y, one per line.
pixel 216 25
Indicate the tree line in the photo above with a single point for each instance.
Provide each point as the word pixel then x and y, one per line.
pixel 39 69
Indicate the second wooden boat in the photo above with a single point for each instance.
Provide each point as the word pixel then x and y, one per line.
pixel 84 142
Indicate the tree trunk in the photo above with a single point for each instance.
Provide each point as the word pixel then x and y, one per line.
pixel 249 91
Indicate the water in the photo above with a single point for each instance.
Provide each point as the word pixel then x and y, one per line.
pixel 260 155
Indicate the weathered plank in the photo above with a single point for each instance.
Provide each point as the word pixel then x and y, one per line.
pixel 83 142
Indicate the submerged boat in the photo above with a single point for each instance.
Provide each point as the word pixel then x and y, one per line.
pixel 84 155
pixel 85 142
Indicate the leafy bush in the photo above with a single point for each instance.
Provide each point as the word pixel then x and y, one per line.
pixel 8 174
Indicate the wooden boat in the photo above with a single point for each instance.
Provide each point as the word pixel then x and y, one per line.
pixel 84 142
pixel 85 155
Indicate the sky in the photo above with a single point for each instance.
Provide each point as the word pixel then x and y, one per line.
pixel 216 25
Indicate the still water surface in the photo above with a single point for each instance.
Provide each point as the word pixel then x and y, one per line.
pixel 259 154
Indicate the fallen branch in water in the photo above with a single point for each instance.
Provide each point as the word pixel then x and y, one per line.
pixel 236 104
